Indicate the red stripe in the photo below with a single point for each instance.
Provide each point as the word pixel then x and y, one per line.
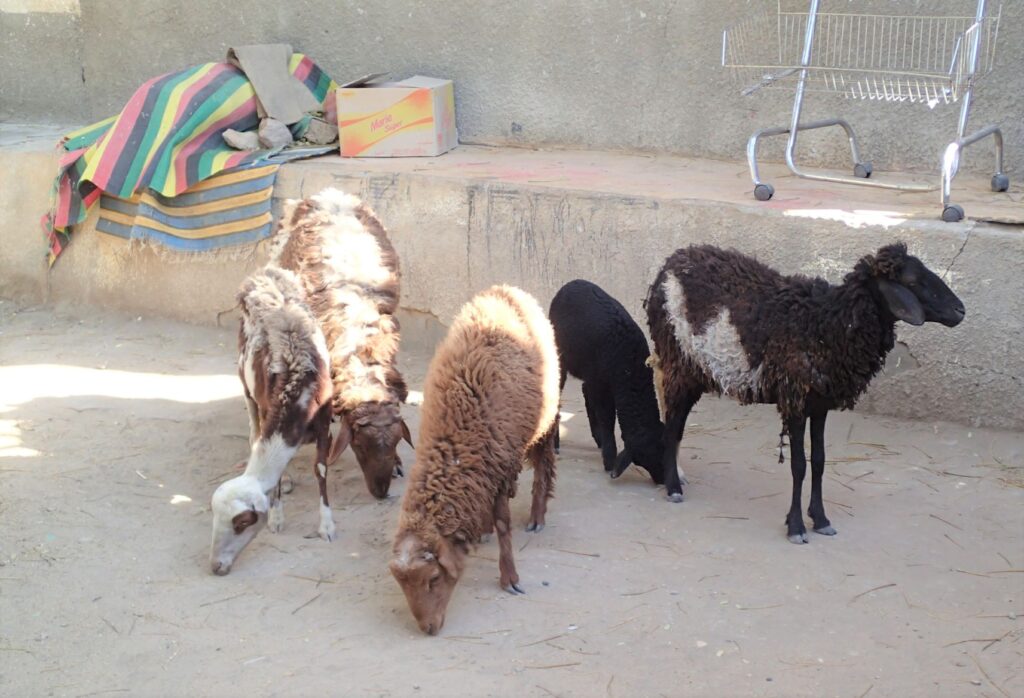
pixel 60 219
pixel 303 69
pixel 121 130
pixel 181 160
pixel 187 95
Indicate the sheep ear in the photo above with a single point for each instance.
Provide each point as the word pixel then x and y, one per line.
pixel 449 560
pixel 341 442
pixel 406 435
pixel 901 302
pixel 244 520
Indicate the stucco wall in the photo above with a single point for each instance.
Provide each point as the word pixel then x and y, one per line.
pixel 592 74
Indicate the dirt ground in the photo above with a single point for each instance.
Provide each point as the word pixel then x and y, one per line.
pixel 114 432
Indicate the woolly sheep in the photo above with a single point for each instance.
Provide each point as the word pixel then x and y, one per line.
pixel 284 368
pixel 349 269
pixel 599 343
pixel 490 400
pixel 725 323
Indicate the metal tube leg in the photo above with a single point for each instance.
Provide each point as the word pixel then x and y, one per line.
pixel 952 213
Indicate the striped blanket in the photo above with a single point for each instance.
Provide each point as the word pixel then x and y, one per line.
pixel 167 139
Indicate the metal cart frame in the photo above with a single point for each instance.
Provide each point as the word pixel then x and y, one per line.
pixel 931 60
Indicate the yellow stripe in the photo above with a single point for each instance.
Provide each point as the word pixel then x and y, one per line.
pixel 240 96
pixel 223 180
pixel 169 113
pixel 85 129
pixel 213 231
pixel 210 206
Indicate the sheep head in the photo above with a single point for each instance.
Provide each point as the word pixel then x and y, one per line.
pixel 427 573
pixel 239 512
pixel 912 292
pixel 374 430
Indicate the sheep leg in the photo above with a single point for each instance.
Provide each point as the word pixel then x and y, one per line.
pixel 254 418
pixel 506 564
pixel 675 422
pixel 326 529
pixel 561 387
pixel 542 456
pixel 602 424
pixel 275 515
pixel 590 401
pixel 817 509
pixel 795 529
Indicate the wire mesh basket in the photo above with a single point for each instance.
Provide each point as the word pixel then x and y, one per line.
pixel 875 57
pixel 894 58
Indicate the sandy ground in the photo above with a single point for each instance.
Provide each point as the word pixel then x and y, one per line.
pixel 114 432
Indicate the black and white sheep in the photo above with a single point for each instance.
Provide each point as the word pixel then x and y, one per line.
pixel 725 323
pixel 285 371
pixel 599 343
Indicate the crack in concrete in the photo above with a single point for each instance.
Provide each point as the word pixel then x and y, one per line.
pixel 967 239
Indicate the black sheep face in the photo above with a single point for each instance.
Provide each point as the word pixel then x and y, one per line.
pixel 912 292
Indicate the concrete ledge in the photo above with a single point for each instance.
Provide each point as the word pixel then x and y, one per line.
pixel 480 216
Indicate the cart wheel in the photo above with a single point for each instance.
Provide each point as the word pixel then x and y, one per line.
pixel 862 170
pixel 953 213
pixel 763 192
pixel 1000 182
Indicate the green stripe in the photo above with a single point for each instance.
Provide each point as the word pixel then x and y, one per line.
pixel 146 144
pixel 322 87
pixel 186 130
pixel 89 135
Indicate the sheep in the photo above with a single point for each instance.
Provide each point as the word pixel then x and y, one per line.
pixel 599 343
pixel 349 269
pixel 490 399
pixel 725 323
pixel 284 367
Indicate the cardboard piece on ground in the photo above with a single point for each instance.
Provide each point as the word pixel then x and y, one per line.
pixel 413 117
pixel 278 94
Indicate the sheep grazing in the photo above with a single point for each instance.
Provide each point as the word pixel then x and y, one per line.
pixel 342 255
pixel 490 400
pixel 284 367
pixel 599 343
pixel 724 323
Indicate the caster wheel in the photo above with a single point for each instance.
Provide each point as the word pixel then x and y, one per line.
pixel 1000 182
pixel 763 192
pixel 862 170
pixel 953 213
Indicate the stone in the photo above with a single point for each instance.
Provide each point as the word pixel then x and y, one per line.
pixel 242 140
pixel 321 132
pixel 274 134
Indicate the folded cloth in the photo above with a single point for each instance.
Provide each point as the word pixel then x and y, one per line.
pixel 278 94
pixel 166 139
pixel 228 209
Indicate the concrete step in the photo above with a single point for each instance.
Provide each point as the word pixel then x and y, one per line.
pixel 537 219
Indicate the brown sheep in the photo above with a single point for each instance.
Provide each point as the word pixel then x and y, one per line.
pixel 490 400
pixel 349 269
pixel 283 365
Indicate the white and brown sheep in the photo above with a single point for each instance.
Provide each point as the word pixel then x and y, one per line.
pixel 490 400
pixel 724 323
pixel 349 269
pixel 284 367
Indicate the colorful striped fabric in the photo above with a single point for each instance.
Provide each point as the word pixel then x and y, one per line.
pixel 167 139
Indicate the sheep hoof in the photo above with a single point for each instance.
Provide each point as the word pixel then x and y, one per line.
pixel 675 497
pixel 534 527
pixel 798 538
pixel 514 589
pixel 287 484
pixel 826 531
pixel 275 518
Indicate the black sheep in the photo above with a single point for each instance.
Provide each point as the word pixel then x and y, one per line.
pixel 599 343
pixel 723 322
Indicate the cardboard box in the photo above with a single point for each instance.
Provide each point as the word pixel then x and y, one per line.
pixel 395 119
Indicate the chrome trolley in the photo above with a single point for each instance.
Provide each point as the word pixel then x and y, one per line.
pixel 874 57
